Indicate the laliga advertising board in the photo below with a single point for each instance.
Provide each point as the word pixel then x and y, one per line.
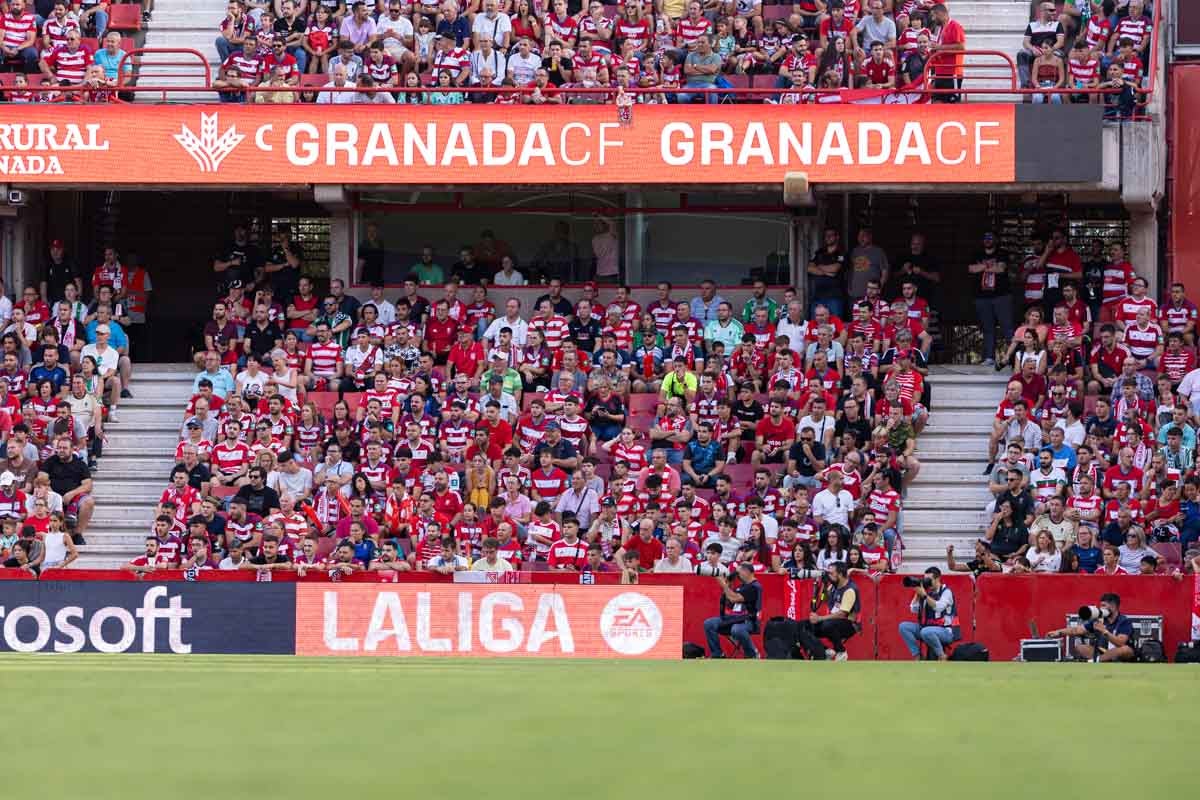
pixel 560 621
pixel 362 145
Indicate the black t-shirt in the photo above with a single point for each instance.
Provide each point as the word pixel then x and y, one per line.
pixel 1104 428
pixel 751 413
pixel 803 465
pixel 57 277
pixel 992 284
pixel 1022 504
pixel 66 476
pixel 751 597
pixel 1009 538
pixel 825 286
pixel 261 501
pixel 197 475
pixel 285 281
pixel 562 306
pixel 585 334
pixel 924 262
pixel 251 258
pixel 262 341
pixel 860 428
pixel 289 28
pixel 1093 281
pixel 372 258
pixel 556 75
pixel 613 406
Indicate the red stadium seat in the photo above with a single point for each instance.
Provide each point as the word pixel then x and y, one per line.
pixel 641 422
pixel 604 471
pixel 325 546
pixel 1171 551
pixel 643 403
pixel 772 13
pixel 125 17
pixel 316 80
pixel 742 475
pixel 324 401
pixel 221 492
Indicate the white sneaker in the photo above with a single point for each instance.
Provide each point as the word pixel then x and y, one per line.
pixel 112 414
pixel 829 653
pixel 841 656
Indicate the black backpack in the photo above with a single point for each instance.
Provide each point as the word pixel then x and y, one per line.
pixel 780 637
pixel 1187 653
pixel 970 651
pixel 692 650
pixel 1150 651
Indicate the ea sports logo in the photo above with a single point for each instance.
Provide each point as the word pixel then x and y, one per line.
pixel 631 623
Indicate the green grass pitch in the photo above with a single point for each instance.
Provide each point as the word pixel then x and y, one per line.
pixel 225 728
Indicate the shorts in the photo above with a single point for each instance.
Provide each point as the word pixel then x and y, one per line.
pixel 71 509
pixel 778 457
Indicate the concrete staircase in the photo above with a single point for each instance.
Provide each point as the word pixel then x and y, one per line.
pixel 945 504
pixel 183 24
pixel 991 25
pixel 136 464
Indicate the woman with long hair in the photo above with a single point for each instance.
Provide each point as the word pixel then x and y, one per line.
pixel 360 487
pixel 1070 561
pixel 1044 555
pixel 1033 321
pixel 310 432
pixel 1031 349
pixel 834 549
pixel 802 563
pixel 836 59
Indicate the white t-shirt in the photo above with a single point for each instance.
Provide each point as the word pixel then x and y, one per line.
pixel 497 28
pixel 108 361
pixel 833 508
pixel 683 565
pixel 524 67
pixel 1044 562
pixel 245 380
pixel 1072 434
pixel 516 279
pixel 817 426
pixel 770 528
pixel 401 26
pixel 501 565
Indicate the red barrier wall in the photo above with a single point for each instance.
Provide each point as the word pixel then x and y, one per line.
pixel 893 608
pixel 994 610
pixel 1005 604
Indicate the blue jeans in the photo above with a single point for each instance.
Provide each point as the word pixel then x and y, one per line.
pixel 224 48
pixel 301 56
pixel 738 631
pixel 935 636
pixel 712 98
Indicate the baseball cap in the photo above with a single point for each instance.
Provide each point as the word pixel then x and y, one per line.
pixel 608 501
pixel 57 244
pixel 193 423
pixel 7 479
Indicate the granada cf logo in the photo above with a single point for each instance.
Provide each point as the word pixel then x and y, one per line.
pixel 210 147
pixel 631 623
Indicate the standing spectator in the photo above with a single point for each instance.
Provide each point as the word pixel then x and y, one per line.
pixel 868 262
pixel 558 256
pixel 282 267
pixel 825 271
pixel 993 297
pixel 951 39
pixel 606 250
pixel 59 271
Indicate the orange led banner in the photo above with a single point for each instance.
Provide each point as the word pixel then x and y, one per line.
pixel 513 620
pixel 492 144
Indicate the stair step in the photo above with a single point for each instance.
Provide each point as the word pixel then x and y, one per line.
pixel 946 519
pixel 127 444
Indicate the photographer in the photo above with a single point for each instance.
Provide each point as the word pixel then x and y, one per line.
pixel 843 605
pixel 738 613
pixel 937 620
pixel 1109 634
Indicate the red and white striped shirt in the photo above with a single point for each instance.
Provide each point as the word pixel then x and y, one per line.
pixel 1117 278
pixel 245 67
pixel 457 437
pixel 1128 307
pixel 1084 71
pixel 883 504
pixel 325 358
pixel 574 430
pixel 17 29
pixel 690 31
pixel 554 329
pixel 229 458
pixel 1137 29
pixel 1098 32
pixel 563 553
pixel 565 30
pixel 634 456
pixel 57 31
pixel 664 315
pixel 294 524
pixel 1143 341
pixel 549 485
pixel 636 32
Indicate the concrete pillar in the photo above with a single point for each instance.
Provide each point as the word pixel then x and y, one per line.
pixel 635 240
pixel 1143 246
pixel 341 244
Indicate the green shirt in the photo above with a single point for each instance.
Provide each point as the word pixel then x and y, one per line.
pixel 333 320
pixel 730 335
pixel 512 381
pixel 753 305
pixel 428 273
pixel 898 437
pixel 673 387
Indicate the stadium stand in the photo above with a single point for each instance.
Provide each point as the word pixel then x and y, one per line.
pixel 522 52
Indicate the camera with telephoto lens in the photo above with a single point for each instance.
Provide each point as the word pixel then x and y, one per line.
pixel 913 583
pixel 1089 613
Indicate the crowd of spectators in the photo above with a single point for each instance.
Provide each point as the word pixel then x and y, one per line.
pixel 453 428
pixel 1092 44
pixel 529 52
pixel 64 368
pixel 55 45
pixel 1092 449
